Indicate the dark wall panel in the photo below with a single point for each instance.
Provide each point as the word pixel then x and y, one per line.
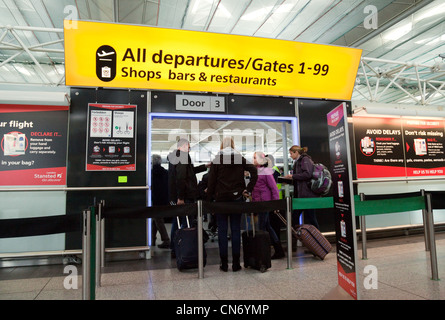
pixel 120 232
pixel 314 135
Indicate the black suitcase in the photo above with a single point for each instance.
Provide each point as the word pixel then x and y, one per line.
pixel 256 248
pixel 186 247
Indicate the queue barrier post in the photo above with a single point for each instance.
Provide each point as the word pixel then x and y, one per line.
pixel 431 237
pixel 200 241
pixel 99 247
pixel 289 231
pixel 86 267
pixel 426 231
pixel 363 229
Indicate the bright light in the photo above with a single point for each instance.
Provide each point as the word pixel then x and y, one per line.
pixel 398 32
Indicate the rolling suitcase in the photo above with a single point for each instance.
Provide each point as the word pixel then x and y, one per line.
pixel 256 248
pixel 186 247
pixel 311 238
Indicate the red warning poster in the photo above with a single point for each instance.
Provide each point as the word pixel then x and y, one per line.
pixel 111 138
pixel 424 147
pixel 379 147
pixel 33 145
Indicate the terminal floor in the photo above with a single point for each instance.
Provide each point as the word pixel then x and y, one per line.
pixel 402 263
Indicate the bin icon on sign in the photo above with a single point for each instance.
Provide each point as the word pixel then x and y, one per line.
pixel 106 63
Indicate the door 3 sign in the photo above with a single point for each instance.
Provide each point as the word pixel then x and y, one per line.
pixel 101 54
pixel 199 103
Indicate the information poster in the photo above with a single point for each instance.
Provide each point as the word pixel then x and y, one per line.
pixel 33 145
pixel 379 147
pixel 399 147
pixel 345 230
pixel 424 147
pixel 111 138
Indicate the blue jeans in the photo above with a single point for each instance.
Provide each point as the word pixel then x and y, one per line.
pixel 235 227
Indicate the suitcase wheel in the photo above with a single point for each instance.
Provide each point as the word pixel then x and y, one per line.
pixel 263 268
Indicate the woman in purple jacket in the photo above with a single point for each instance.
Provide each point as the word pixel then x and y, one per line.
pixel 266 190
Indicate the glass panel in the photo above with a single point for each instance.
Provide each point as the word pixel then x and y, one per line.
pixel 205 137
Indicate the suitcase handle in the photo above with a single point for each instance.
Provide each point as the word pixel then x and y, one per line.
pixel 179 224
pixel 253 224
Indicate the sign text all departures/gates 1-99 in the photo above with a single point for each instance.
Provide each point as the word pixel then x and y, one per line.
pixel 129 56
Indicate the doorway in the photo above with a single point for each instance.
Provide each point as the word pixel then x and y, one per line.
pixel 272 135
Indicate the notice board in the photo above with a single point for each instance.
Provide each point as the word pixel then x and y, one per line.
pixel 399 147
pixel 33 145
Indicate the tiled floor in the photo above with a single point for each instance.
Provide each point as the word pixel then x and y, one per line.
pixel 402 263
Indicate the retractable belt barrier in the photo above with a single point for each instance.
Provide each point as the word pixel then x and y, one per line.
pixel 39 226
pixel 191 209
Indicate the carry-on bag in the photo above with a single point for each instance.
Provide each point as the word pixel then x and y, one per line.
pixel 186 247
pixel 256 248
pixel 311 238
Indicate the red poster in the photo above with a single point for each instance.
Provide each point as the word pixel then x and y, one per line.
pixel 424 147
pixel 33 145
pixel 379 147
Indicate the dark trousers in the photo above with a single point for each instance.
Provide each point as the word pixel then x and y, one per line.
pixel 264 225
pixel 309 217
pixel 222 221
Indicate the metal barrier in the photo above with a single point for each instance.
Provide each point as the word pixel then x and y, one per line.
pixel 195 209
pixel 26 227
pixel 401 202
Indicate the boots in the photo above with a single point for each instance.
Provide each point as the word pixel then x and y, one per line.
pixel 279 252
pixel 236 266
pixel 224 266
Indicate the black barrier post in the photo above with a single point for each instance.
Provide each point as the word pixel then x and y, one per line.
pixel 289 231
pixel 426 231
pixel 88 255
pixel 431 238
pixel 98 243
pixel 363 229
pixel 200 242
pixel 86 268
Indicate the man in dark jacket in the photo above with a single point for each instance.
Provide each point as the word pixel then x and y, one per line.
pixel 159 195
pixel 183 185
pixel 226 183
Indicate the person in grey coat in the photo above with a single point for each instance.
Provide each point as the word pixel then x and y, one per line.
pixel 301 176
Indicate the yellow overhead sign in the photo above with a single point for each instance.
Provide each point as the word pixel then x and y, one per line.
pixel 127 56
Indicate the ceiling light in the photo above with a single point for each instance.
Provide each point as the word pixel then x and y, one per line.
pixel 398 32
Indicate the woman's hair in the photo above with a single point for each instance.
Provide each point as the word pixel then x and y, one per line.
pixel 227 142
pixel 262 159
pixel 298 148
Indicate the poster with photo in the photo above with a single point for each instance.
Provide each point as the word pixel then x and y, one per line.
pixel 33 145
pixel 379 147
pixel 345 230
pixel 111 138
pixel 424 147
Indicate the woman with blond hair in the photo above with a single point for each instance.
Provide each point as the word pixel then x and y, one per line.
pixel 301 176
pixel 266 190
pixel 226 184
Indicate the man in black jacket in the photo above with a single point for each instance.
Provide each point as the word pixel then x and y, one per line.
pixel 183 185
pixel 159 193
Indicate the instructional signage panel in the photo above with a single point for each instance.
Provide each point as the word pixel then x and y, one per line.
pixel 424 147
pixel 343 196
pixel 111 139
pixel 33 145
pixel 379 147
pixel 399 147
pixel 127 56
